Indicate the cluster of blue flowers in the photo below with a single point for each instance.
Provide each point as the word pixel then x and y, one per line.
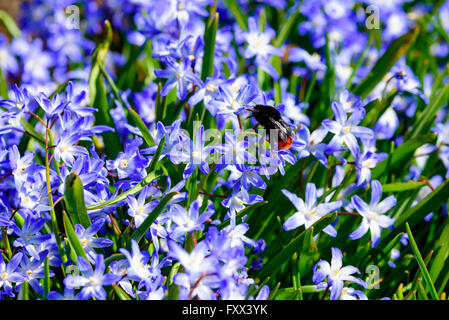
pixel 53 128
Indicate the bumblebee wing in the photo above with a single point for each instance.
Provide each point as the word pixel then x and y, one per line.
pixel 284 129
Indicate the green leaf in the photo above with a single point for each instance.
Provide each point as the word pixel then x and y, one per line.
pixel 112 258
pixel 146 224
pixel 375 109
pixel 401 155
pixel 24 292
pixel 273 265
pixel 9 24
pixel 396 50
pixel 3 88
pixel 426 117
pixel 284 293
pixel 287 28
pixel 72 237
pixel 210 35
pixel 157 154
pixel 239 16
pixel 120 293
pixel 402 186
pixel 146 181
pixel 142 127
pixel 429 204
pixel 46 278
pixel 309 254
pixel 442 248
pixel 249 210
pixel 74 200
pixel 421 264
pixel 98 96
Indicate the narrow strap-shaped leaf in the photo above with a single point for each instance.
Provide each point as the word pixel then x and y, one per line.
pixel 98 96
pixel 112 258
pixel 207 68
pixel 146 224
pixel 442 247
pixel 3 88
pixel 72 237
pixel 309 253
pixel 240 17
pixel 142 127
pixel 74 200
pixel 120 293
pixel 284 255
pixel 402 186
pixel 421 264
pixel 430 203
pixel 157 154
pixel 9 24
pixel 426 117
pixel 401 155
pixel 287 28
pixel 396 50
pixel 146 181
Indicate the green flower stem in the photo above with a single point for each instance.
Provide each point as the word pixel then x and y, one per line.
pixel 54 221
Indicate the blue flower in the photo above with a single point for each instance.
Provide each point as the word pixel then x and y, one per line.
pixel 195 154
pixel 75 102
pixel 196 262
pixel 33 269
pixel 349 101
pixel 367 160
pixel 237 201
pixel 138 209
pixel 336 274
pixel 89 241
pixel 138 269
pixel 91 280
pixel 69 294
pixel 177 75
pixel 207 93
pixel 29 235
pixel 22 167
pixel 311 144
pixel 66 148
pixel 260 47
pixel 8 273
pixel 200 268
pixel 234 96
pixel 233 152
pixel 53 107
pixel 310 211
pixel 346 130
pixel 15 110
pixel 183 9
pixel 373 215
pixel 313 61
pixel 191 220
pixel 130 163
pixel 247 176
pixel 352 294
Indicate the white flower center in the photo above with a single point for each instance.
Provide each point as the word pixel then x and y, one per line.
pixel 93 281
pixel 211 87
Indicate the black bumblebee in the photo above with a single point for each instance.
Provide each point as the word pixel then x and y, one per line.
pixel 270 118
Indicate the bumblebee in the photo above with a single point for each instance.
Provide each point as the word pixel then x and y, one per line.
pixel 270 118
